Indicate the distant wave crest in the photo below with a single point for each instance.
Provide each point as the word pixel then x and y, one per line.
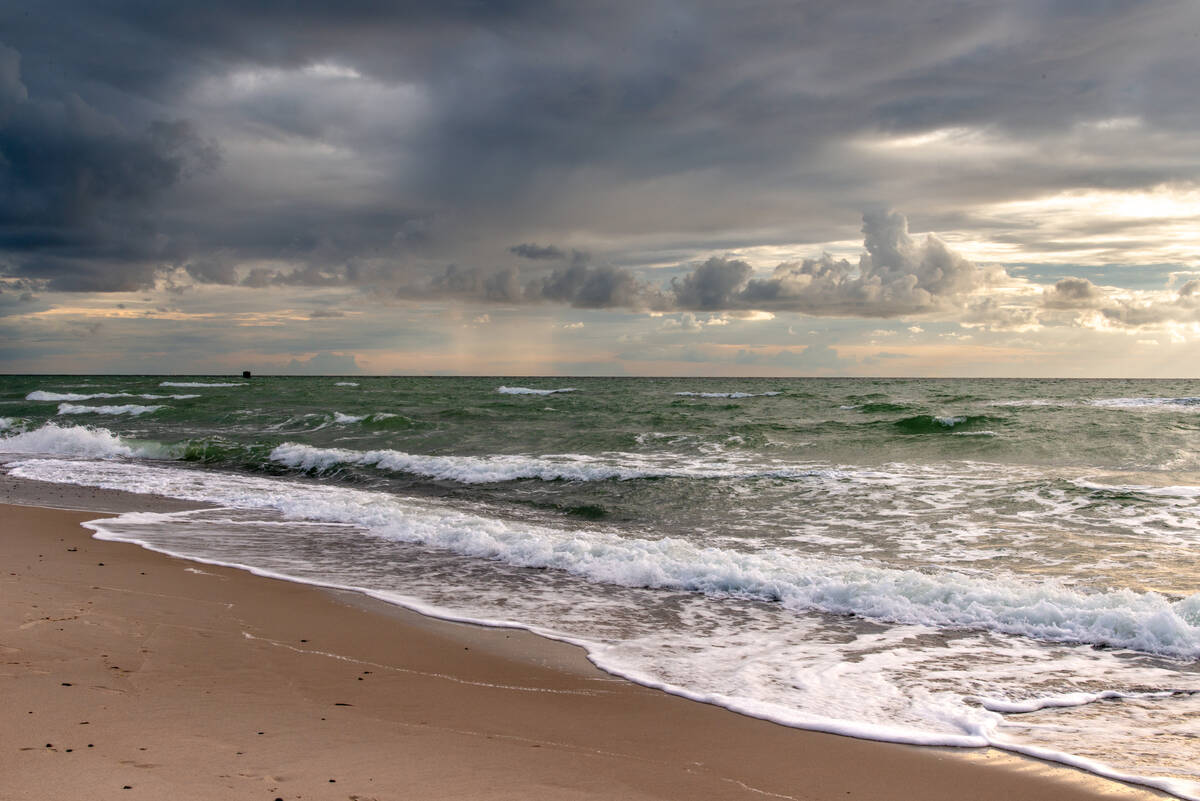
pixel 1147 403
pixel 735 395
pixel 530 391
pixel 942 424
pixel 131 409
pixel 42 395
pixel 199 384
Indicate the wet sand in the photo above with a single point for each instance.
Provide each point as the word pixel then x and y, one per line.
pixel 132 675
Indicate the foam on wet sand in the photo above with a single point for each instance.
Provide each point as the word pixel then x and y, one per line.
pixel 136 670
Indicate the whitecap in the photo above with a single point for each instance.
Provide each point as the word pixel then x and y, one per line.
pixel 1044 610
pixel 199 384
pixel 735 395
pixel 513 467
pixel 1148 403
pixel 529 391
pixel 41 395
pixel 132 409
pixel 84 441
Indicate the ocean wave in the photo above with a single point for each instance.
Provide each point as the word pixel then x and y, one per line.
pixel 199 384
pixel 495 469
pixel 1031 402
pixel 1146 403
pixel 82 441
pixel 6 423
pixel 884 407
pixel 529 391
pixel 1139 621
pixel 42 395
pixel 350 419
pixel 734 395
pixel 132 409
pixel 345 384
pixel 935 424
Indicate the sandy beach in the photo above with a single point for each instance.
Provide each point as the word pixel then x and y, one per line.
pixel 129 674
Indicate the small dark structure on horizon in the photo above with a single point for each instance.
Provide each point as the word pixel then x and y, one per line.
pixel 245 374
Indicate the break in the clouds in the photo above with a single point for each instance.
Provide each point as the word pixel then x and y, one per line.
pixel 1024 173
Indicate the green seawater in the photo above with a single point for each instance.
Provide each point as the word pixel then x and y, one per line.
pixel 933 561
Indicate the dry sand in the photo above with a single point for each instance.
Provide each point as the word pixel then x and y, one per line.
pixel 132 675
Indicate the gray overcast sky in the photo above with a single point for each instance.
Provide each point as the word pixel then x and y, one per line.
pixel 722 188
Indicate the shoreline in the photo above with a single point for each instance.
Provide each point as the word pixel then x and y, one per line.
pixel 209 656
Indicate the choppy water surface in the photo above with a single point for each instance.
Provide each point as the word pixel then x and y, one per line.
pixel 955 562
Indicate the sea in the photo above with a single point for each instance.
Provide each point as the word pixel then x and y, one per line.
pixel 1007 563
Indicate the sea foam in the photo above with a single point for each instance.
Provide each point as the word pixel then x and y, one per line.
pixel 734 395
pixel 42 395
pixel 1140 621
pixel 132 409
pixel 1147 403
pixel 81 441
pixel 529 391
pixel 497 468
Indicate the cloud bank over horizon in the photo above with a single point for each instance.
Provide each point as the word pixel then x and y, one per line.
pixel 602 180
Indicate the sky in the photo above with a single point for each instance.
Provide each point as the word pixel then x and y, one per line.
pixel 726 188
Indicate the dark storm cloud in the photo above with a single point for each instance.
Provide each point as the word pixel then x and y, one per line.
pixel 502 286
pixel 579 284
pixel 532 251
pixel 1072 293
pixel 76 186
pixel 601 287
pixel 895 276
pixel 712 285
pixel 371 143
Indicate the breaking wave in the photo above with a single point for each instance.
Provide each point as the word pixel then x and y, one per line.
pixel 931 424
pixel 375 417
pixel 529 391
pixel 735 395
pixel 1140 621
pixel 131 409
pixel 41 395
pixel 1146 403
pixel 199 384
pixel 84 441
pixel 499 468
